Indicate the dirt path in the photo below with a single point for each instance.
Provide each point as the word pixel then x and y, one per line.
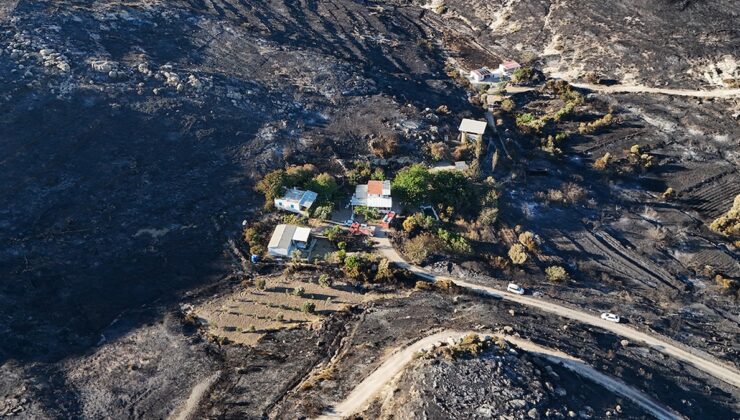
pixel 395 364
pixel 697 358
pixel 199 391
pixel 715 93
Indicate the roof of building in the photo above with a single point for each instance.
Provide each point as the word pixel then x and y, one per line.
pixel 379 187
pixel 285 234
pixel 362 198
pixel 304 198
pixel 510 65
pixel 473 126
pixel 483 72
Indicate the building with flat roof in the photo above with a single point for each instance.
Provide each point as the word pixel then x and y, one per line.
pixel 374 194
pixel 472 130
pixel 288 238
pixel 296 201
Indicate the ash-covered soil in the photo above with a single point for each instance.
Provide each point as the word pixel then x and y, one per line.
pixel 683 43
pixel 384 327
pixel 132 133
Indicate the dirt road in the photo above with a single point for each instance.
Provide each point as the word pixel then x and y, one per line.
pixel 373 384
pixel 715 93
pixel 696 358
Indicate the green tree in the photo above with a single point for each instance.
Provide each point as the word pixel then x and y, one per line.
pixel 325 185
pixel 271 186
pixel 412 183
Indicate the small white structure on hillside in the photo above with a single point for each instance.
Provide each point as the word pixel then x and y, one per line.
pixel 376 195
pixel 288 238
pixel 472 130
pixel 296 201
pixel 481 75
pixel 508 67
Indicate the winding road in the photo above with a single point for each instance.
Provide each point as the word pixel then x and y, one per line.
pixel 696 358
pixel 395 364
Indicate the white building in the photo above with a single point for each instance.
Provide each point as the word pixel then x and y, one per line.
pixel 472 130
pixel 481 75
pixel 296 201
pixel 288 238
pixel 508 67
pixel 376 195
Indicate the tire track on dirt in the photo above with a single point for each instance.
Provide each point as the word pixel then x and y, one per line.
pixel 373 384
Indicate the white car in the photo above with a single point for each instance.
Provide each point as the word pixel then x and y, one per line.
pixel 515 288
pixel 606 316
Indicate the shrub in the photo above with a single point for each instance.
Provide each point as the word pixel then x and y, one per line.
pixel 729 223
pixel 528 240
pixel 463 152
pixel 298 291
pixel 669 194
pixel 488 216
pixel 592 127
pixel 518 254
pixel 369 213
pixel 573 193
pixel 360 174
pixel 522 75
pixel 454 242
pixel 323 212
pixel 324 280
pixel 271 186
pixel 308 307
pixel 324 185
pixel 260 283
pixel 384 273
pixel 378 175
pixel 256 238
pixel 417 249
pixel 508 105
pixel 419 221
pixel 603 162
pixel 439 151
pixel 384 146
pixel 333 233
pixel 555 273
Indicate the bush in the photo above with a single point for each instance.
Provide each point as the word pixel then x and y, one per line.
pixel 522 75
pixel 528 240
pixel 463 152
pixel 308 307
pixel 360 174
pixel 298 291
pixel 260 283
pixel 325 280
pixel 454 242
pixel 603 162
pixel 488 216
pixel 508 105
pixel 729 223
pixel 324 185
pixel 384 146
pixel 419 221
pixel 518 254
pixel 557 274
pixel 256 238
pixel 369 213
pixel 385 272
pixel 323 212
pixel 592 127
pixel 417 249
pixel 333 233
pixel 378 175
pixel 439 151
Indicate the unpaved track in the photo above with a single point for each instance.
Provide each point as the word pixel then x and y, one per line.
pixel 715 93
pixel 395 364
pixel 697 358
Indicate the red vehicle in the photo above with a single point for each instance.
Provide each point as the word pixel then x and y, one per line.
pixel 388 219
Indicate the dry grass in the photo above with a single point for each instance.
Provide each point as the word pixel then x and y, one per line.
pixel 244 317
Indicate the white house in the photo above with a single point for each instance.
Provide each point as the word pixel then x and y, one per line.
pixel 376 195
pixel 288 238
pixel 472 130
pixel 481 74
pixel 296 201
pixel 508 67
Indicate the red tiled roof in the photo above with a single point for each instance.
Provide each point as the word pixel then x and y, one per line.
pixel 375 187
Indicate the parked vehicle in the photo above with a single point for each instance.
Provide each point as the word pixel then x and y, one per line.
pixel 515 288
pixel 607 316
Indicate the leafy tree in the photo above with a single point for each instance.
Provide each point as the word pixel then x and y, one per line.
pixel 518 254
pixel 271 186
pixel 412 183
pixel 324 185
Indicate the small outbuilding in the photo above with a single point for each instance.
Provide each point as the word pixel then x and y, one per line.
pixel 481 75
pixel 288 238
pixel 472 130
pixel 296 201
pixel 508 67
